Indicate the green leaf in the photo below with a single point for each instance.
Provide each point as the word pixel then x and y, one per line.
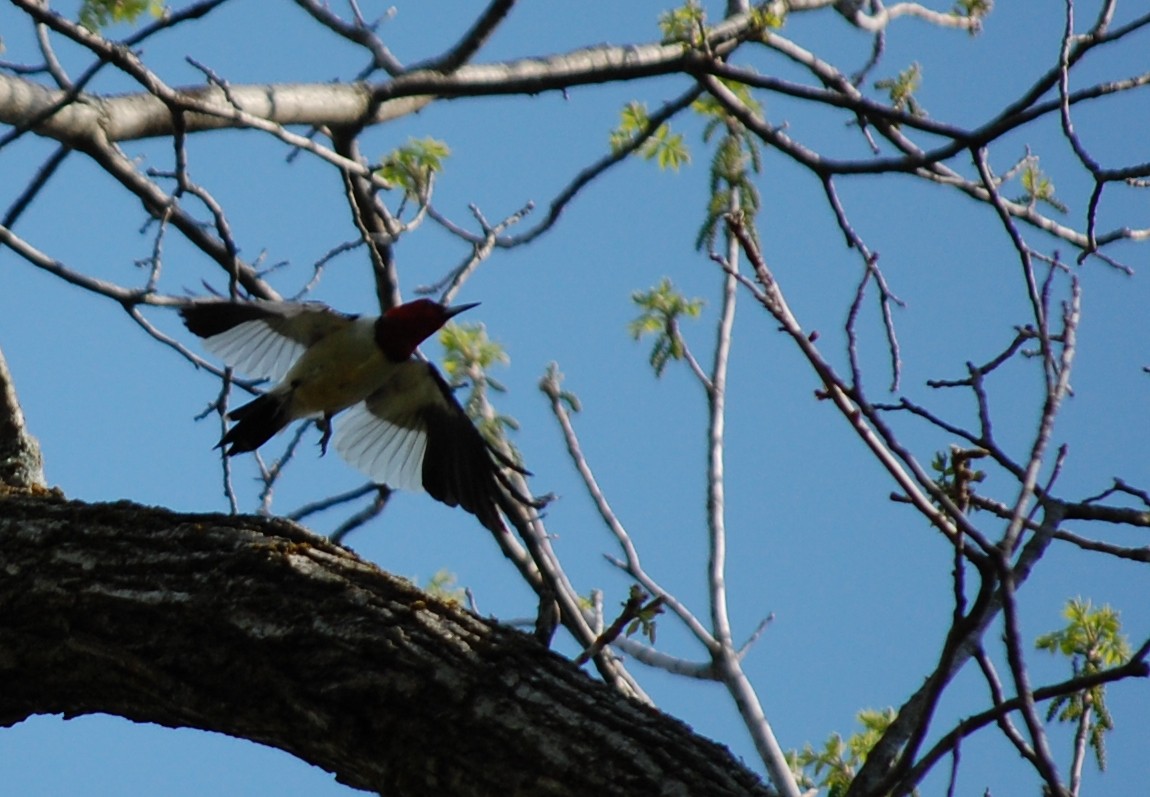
pixel 98 14
pixel 468 354
pixel 684 24
pixel 768 18
pixel 667 149
pixel 468 347
pixel 901 89
pixel 835 765
pixel 443 586
pixel 412 166
pixel 709 106
pixel 1093 641
pixel 955 476
pixel 633 122
pixel 1038 187
pixel 645 621
pixel 736 158
pixel 661 308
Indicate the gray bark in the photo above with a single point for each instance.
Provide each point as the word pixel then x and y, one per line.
pixel 256 628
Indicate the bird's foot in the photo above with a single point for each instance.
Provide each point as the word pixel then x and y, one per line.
pixel 324 424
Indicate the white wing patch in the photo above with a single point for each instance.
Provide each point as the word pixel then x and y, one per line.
pixel 388 453
pixel 256 349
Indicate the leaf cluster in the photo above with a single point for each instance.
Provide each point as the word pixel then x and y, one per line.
pixel 98 14
pixel 736 158
pixel 769 16
pixel 412 166
pixel 444 585
pixel 901 88
pixel 1038 186
pixel 661 308
pixel 644 621
pixel 468 356
pixel 667 149
pixel 684 24
pixel 1093 640
pixel 834 766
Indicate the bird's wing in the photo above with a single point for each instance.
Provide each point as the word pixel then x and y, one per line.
pixel 412 434
pixel 389 451
pixel 260 338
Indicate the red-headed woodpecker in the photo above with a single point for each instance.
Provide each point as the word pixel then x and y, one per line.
pixel 404 427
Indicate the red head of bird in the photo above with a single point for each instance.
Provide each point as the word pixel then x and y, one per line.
pixel 400 330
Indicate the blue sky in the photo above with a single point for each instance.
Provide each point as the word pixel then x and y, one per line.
pixel 858 585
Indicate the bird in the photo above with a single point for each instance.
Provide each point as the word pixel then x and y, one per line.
pixel 401 424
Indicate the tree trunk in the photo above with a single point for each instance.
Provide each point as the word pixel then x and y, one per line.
pixel 256 628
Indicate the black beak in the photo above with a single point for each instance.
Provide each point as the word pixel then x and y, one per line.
pixel 459 308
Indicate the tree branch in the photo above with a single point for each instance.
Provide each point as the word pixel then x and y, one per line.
pixel 255 628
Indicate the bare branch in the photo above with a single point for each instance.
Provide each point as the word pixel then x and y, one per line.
pixel 590 173
pixel 549 385
pixel 716 430
pixel 1040 749
pixel 32 189
pixel 356 32
pixel 1136 667
pixel 472 41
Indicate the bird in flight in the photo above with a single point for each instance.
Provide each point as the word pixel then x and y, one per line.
pixel 402 427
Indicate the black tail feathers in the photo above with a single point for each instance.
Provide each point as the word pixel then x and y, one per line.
pixel 256 422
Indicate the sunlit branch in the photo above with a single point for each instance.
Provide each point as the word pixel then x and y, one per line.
pixel 51 62
pixel 879 16
pixel 892 755
pixel 657 659
pixel 716 431
pixel 550 387
pixel 64 101
pixel 925 164
pixel 555 587
pixel 592 65
pixel 727 659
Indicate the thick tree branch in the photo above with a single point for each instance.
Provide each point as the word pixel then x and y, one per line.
pixel 24 103
pixel 256 628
